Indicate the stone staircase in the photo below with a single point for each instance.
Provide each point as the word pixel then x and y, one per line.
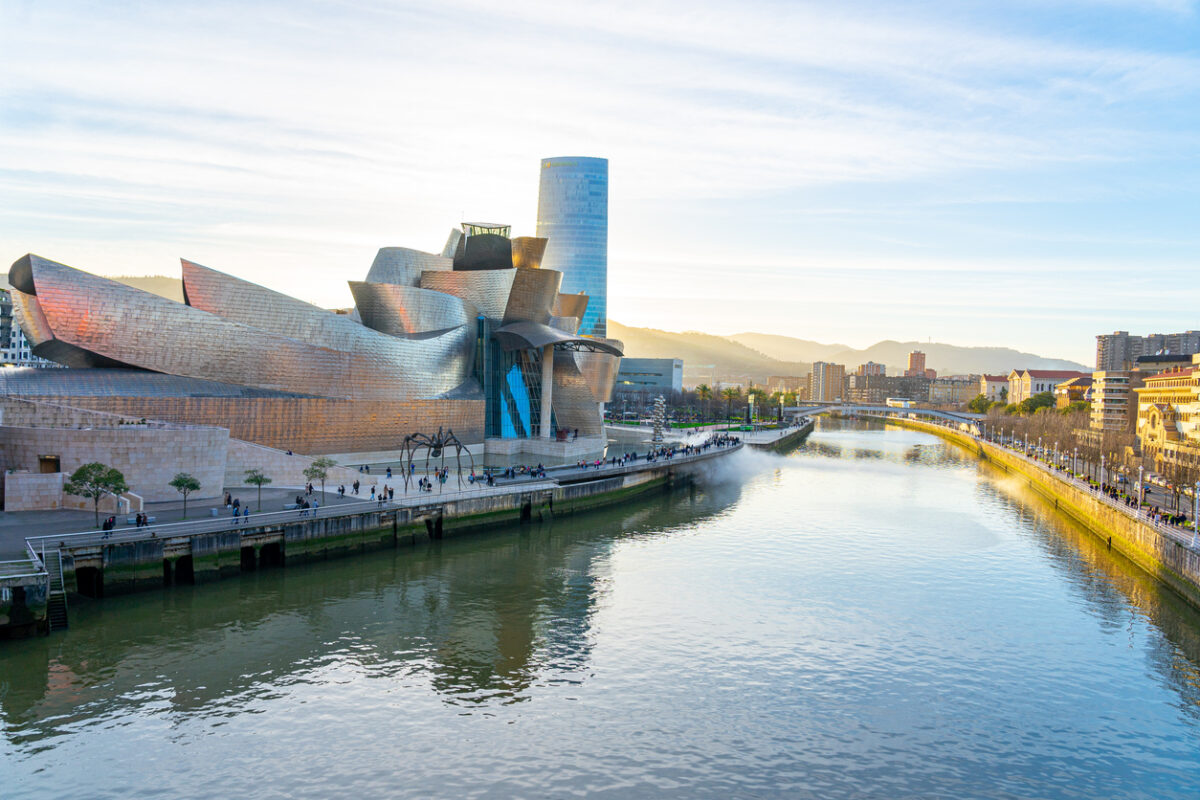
pixel 56 601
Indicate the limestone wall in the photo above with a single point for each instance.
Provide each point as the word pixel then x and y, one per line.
pixel 287 471
pixel 148 456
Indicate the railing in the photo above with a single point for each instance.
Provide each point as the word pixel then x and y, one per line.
pixel 410 499
pixel 32 567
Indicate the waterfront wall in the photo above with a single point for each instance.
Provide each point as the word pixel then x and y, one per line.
pixel 1161 556
pixel 99 569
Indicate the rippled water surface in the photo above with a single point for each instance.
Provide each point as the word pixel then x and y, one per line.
pixel 873 615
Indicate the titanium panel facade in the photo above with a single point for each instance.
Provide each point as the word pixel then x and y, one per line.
pixel 533 294
pixel 404 266
pixel 409 312
pixel 574 404
pixel 573 215
pixel 136 328
pixel 527 252
pixel 487 290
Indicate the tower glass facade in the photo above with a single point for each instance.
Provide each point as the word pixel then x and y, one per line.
pixel 573 215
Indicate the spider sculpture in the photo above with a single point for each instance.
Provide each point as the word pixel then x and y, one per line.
pixel 435 447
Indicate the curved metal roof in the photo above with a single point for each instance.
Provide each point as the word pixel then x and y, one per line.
pixel 527 334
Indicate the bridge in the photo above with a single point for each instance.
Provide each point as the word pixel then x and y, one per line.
pixel 964 418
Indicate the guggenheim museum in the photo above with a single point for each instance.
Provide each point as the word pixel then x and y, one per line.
pixel 479 339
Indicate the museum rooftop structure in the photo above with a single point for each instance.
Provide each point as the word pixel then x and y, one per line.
pixel 477 339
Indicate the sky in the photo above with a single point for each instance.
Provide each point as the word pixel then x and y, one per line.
pixel 1021 174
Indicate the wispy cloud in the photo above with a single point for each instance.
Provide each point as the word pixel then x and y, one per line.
pixel 288 140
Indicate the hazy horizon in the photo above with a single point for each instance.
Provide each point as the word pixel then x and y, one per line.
pixel 1020 176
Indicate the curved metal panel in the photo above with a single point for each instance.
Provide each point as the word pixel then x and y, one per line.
pixel 575 405
pixel 487 290
pixel 484 251
pixel 570 305
pixel 599 371
pixel 533 294
pixel 408 311
pixel 565 324
pixel 525 334
pixel 126 325
pixel 453 242
pixel 527 251
pixel 404 266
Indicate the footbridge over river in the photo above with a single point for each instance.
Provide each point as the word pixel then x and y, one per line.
pixel 964 418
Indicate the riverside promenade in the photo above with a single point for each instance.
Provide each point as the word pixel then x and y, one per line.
pixel 97 562
pixel 1168 552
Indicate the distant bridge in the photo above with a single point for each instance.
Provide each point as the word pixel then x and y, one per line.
pixel 964 418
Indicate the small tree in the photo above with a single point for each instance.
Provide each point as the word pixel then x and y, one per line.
pixel 93 481
pixel 185 484
pixel 255 477
pixel 319 471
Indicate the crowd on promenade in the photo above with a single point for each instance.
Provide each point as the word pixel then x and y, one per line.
pixel 1117 493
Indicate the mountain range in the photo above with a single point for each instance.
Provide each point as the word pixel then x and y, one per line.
pixel 760 355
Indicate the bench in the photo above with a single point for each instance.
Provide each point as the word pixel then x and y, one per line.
pixel 133 520
pixel 291 506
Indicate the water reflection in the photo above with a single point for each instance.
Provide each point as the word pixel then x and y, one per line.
pixel 479 620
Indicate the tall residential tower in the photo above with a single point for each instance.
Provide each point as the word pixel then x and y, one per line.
pixel 573 215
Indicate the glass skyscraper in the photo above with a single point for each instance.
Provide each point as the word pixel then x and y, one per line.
pixel 573 215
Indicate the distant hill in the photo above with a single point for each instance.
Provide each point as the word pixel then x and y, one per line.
pixel 760 355
pixel 729 357
pixel 170 288
pixel 785 348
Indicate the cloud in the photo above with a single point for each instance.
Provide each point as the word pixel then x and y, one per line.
pixel 286 141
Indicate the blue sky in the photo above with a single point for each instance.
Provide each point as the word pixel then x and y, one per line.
pixel 1020 173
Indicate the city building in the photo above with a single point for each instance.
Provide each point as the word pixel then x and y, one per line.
pixel 1120 351
pixel 867 389
pixel 1025 383
pixel 1114 403
pixel 871 369
pixel 573 216
pixel 653 375
pixel 953 390
pixel 784 383
pixel 994 387
pixel 825 382
pixel 916 364
pixel 1073 390
pixel 1168 418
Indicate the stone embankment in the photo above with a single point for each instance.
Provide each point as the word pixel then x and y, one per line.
pixel 1161 550
pixel 98 563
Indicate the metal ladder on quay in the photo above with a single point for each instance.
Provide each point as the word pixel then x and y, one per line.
pixel 56 601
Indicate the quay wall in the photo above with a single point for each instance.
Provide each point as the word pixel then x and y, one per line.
pixel 786 442
pixel 105 569
pixel 1161 556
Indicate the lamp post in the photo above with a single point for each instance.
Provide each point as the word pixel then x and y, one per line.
pixel 1141 469
pixel 1039 450
pixel 1075 462
pixel 1102 470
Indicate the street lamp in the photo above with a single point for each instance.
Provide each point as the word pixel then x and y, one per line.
pixel 1075 462
pixel 1141 469
pixel 1102 470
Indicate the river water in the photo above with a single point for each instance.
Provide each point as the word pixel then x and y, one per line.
pixel 873 615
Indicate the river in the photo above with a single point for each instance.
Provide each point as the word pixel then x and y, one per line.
pixel 875 614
